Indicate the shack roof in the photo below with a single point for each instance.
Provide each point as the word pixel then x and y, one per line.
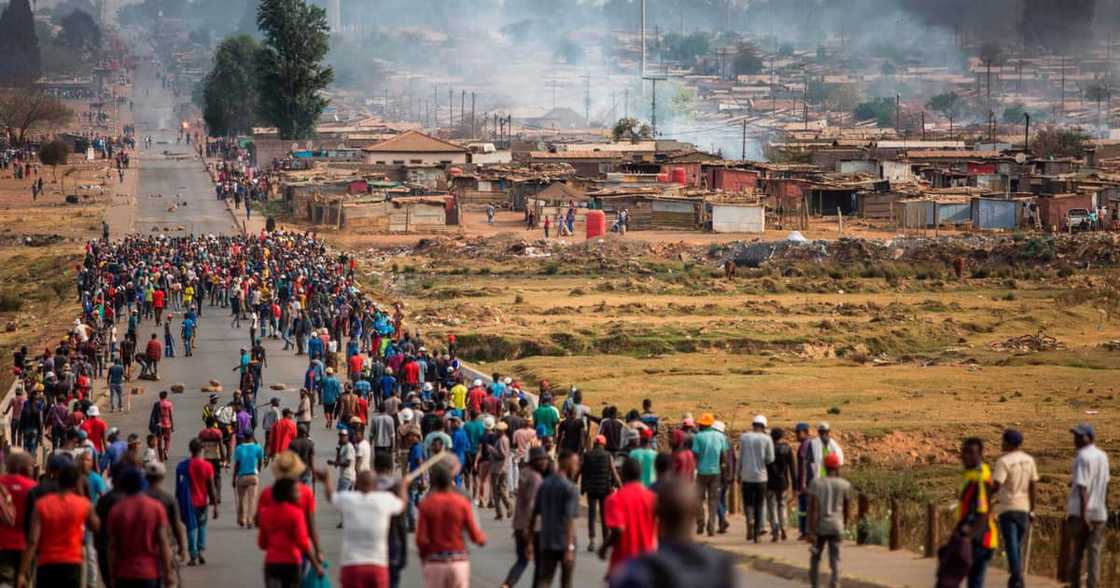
pixel 414 142
pixel 564 155
pixel 952 154
pixel 561 191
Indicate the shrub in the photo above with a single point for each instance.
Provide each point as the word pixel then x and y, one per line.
pixel 10 302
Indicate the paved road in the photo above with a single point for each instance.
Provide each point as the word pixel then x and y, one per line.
pixel 232 552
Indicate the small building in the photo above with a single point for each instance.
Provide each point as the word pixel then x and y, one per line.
pixel 413 148
pixel 737 218
pixel 1052 209
pixel 996 213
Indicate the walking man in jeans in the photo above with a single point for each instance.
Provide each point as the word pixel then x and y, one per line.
pixel 1086 508
pixel 828 513
pixel 1013 481
pixel 710 447
pixel 554 517
pixel 194 482
pixel 756 451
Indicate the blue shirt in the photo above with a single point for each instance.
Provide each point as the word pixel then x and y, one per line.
pixel 388 386
pixel 116 374
pixel 332 389
pixel 97 487
pixel 708 445
pixel 415 456
pixel 363 388
pixel 248 457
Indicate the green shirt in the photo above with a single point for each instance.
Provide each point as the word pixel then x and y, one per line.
pixel 646 457
pixel 545 418
pixel 708 445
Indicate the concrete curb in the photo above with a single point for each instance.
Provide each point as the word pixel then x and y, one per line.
pixel 798 572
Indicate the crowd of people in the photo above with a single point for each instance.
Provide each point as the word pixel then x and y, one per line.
pixel 424 445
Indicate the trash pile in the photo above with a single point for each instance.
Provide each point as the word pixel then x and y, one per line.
pixel 1027 344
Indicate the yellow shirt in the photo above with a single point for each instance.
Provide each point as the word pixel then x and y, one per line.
pixel 459 397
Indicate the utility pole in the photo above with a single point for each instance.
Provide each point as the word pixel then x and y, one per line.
pixel 744 153
pixel 462 108
pixel 587 100
pixel 626 105
pixel 435 108
pixel 923 125
pixel 898 113
pixel 642 73
pixel 472 114
pixel 1063 101
pixel 653 104
pixel 450 109
pixel 1027 133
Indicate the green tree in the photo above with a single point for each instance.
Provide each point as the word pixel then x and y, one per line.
pixel 80 31
pixel 19 45
pixel 630 129
pixel 746 62
pixel 1058 142
pixel 686 48
pixel 55 153
pixel 292 75
pixel 881 110
pixel 229 99
pixel 948 105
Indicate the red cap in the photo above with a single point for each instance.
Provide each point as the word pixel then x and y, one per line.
pixel 647 434
pixel 832 461
pixel 600 440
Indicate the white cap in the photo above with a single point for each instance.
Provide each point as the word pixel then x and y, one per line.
pixel 760 420
pixel 93 411
pixel 488 422
pixel 478 381
pixel 406 415
pixel 719 426
pixel 428 386
pixel 508 380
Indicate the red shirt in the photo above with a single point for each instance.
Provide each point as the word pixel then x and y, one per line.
pixel 283 533
pixel 412 373
pixel 443 517
pixel 95 429
pixel 12 538
pixel 492 405
pixel 306 498
pixel 201 473
pixel 157 299
pixel 475 398
pixel 630 512
pixel 62 520
pixel 684 463
pixel 154 350
pixel 282 434
pixel 165 410
pixel 363 410
pixel 356 363
pixel 135 524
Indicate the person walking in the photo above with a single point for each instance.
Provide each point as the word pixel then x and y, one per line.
pixel 529 481
pixel 597 479
pixel 711 448
pixel 779 479
pixel 554 518
pixel 195 487
pixel 153 352
pixel 631 527
pixel 829 500
pixel 1086 508
pixel 365 542
pixel 18 481
pixel 679 560
pixel 445 516
pixel 58 526
pixel 975 522
pixel 139 538
pixel 247 461
pixel 1013 480
pixel 756 452
pixel 283 536
pixel 166 419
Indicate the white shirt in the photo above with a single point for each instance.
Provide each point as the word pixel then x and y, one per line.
pixel 1090 469
pixel 755 451
pixel 346 454
pixel 365 538
pixel 362 454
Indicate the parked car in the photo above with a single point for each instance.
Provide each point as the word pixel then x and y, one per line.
pixel 1077 219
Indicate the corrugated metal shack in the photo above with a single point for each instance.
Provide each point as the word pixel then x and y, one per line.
pixel 996 213
pixel 654 211
pixel 737 218
pixel 404 214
